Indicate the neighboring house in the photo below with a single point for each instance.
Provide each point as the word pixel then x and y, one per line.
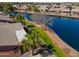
pixel 9 41
pixel 4 18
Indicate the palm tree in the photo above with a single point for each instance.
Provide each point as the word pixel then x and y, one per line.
pixel 27 45
pixel 38 40
pixel 31 39
pixel 24 45
pixel 34 40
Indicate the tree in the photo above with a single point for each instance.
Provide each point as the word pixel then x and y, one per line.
pixel 19 18
pixel 7 8
pixel 26 45
pixel 32 42
pixel 33 7
pixel 1 8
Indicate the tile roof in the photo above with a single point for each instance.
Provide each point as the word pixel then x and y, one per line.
pixel 7 33
pixel 5 18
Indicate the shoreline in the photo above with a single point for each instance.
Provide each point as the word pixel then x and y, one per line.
pixel 58 41
pixel 54 15
pixel 63 41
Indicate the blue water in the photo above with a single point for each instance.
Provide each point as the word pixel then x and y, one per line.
pixel 13 13
pixel 26 15
pixel 66 28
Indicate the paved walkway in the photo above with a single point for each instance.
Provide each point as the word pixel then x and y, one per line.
pixel 61 44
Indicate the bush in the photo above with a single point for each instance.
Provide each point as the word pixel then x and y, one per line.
pixel 19 18
pixel 24 49
pixel 30 26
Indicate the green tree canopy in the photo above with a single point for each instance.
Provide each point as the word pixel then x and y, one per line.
pixel 7 7
pixel 19 18
pixel 33 7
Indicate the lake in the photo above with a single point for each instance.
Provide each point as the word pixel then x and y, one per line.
pixel 66 28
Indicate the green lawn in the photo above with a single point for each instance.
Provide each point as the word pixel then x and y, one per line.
pixel 46 39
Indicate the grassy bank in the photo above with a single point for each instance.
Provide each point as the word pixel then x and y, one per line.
pixel 45 38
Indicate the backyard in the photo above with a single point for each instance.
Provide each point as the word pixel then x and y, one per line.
pixel 41 33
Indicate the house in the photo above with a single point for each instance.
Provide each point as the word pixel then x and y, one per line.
pixel 4 18
pixel 9 41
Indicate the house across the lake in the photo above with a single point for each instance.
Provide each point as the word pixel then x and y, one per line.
pixel 11 35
